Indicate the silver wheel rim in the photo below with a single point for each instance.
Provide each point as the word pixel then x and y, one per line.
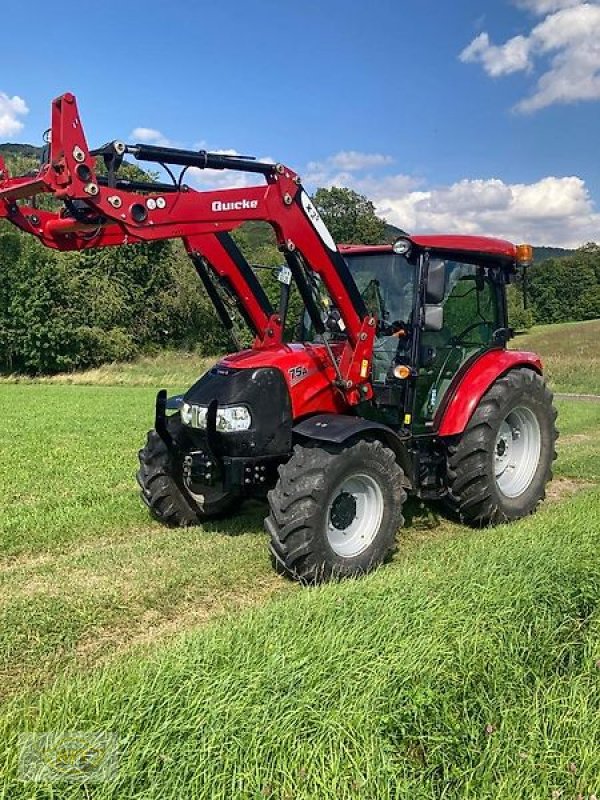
pixel 517 451
pixel 354 515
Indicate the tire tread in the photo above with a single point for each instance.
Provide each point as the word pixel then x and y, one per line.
pixel 470 490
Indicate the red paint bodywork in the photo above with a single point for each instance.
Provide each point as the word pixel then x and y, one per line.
pixel 456 413
pixel 315 392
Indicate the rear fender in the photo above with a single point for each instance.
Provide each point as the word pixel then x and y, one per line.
pixel 454 415
pixel 342 428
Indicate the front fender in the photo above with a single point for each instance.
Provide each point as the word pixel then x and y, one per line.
pixel 454 415
pixel 340 428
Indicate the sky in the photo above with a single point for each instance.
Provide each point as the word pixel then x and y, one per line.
pixel 452 116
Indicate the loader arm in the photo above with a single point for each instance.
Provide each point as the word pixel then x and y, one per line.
pixel 106 211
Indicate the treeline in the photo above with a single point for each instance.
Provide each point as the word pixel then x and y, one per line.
pixel 60 311
pixel 566 289
pixel 560 289
pixel 66 311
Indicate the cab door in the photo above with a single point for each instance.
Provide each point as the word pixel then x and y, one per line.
pixel 473 312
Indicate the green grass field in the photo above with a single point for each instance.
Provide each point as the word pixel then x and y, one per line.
pixel 469 667
pixel 570 353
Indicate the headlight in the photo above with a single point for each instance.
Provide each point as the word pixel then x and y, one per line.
pixel 186 414
pixel 234 418
pixel 401 246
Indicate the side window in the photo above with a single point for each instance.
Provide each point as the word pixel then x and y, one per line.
pixel 470 309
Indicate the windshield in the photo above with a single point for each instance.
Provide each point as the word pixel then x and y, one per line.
pixel 386 283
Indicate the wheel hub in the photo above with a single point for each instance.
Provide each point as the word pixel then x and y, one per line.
pixel 354 515
pixel 343 511
pixel 517 451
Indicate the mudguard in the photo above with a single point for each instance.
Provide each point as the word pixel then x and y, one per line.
pixel 340 428
pixel 454 414
pixel 174 402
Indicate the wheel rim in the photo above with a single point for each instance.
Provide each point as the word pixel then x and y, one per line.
pixel 517 451
pixel 354 515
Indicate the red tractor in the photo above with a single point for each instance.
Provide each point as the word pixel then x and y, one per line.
pixel 399 381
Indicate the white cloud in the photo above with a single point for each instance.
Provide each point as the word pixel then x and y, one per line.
pixel 353 160
pixel 498 59
pixel 554 210
pixel 543 7
pixel 566 43
pixel 336 169
pixel 377 185
pixel 150 136
pixel 347 168
pixel 208 179
pixel 11 108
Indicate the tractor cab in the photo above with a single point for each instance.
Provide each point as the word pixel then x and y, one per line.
pixel 440 302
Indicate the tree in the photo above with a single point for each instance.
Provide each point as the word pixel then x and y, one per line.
pixel 65 311
pixel 566 289
pixel 350 216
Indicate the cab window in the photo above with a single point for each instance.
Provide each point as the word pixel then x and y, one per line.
pixel 386 282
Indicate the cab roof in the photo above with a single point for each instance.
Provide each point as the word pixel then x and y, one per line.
pixel 479 246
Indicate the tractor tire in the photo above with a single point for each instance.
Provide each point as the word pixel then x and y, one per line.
pixel 164 495
pixel 499 468
pixel 335 510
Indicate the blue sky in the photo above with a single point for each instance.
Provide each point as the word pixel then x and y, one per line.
pixel 449 117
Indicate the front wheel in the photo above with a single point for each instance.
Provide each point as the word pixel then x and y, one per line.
pixel 335 510
pixel 162 487
pixel 499 468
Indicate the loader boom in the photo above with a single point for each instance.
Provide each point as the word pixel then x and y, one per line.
pixel 105 211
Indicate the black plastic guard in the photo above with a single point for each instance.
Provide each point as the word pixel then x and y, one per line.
pixel 160 418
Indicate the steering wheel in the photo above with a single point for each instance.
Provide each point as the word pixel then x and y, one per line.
pixel 397 328
pixel 458 339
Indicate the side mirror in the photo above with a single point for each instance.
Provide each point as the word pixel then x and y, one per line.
pixel 434 318
pixel 436 282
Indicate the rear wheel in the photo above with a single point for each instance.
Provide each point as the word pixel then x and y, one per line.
pixel 499 468
pixel 335 510
pixel 163 492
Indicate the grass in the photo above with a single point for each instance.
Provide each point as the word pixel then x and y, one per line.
pixel 570 354
pixel 83 571
pixel 167 368
pixel 466 668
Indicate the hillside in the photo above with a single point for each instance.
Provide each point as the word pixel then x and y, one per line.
pixel 22 150
pixel 569 352
pixel 392 232
pixel 544 253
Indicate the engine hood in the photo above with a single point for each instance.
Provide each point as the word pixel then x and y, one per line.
pixel 307 370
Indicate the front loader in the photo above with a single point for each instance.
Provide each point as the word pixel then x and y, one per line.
pixel 399 381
